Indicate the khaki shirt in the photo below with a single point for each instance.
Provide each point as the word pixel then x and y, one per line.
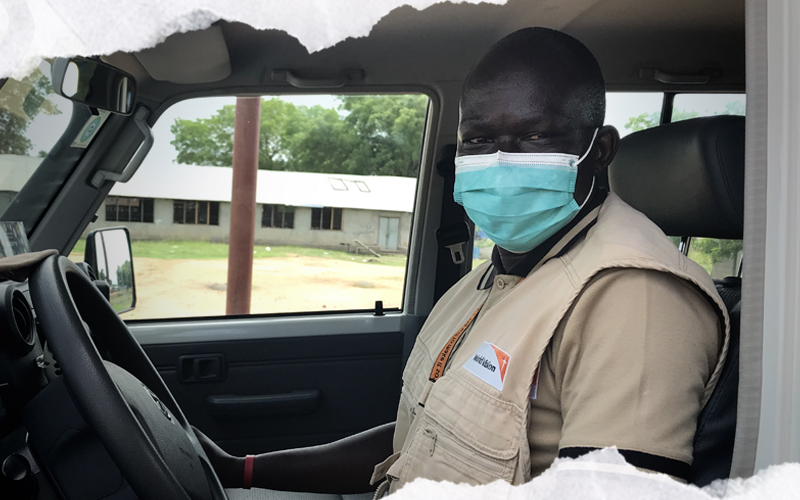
pixel 610 374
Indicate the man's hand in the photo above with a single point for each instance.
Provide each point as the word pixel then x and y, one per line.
pixel 344 466
pixel 229 469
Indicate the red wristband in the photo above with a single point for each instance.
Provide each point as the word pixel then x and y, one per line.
pixel 249 462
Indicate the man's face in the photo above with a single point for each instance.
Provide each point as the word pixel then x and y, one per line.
pixel 517 114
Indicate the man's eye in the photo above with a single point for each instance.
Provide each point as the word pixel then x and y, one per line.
pixel 478 140
pixel 535 137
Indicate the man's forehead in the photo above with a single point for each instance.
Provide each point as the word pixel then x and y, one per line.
pixel 523 98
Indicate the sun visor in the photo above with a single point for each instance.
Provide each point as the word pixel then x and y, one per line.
pixel 192 57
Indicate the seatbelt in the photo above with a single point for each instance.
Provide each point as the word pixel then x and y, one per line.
pixel 454 232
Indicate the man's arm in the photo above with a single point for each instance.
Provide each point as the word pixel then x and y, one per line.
pixel 344 466
pixel 637 354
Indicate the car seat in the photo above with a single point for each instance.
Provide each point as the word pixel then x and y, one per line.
pixel 688 178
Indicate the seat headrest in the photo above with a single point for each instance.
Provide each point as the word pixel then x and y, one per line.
pixel 687 176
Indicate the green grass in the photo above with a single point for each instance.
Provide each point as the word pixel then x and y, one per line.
pixel 180 250
pixel 292 251
pixel 80 246
pixel 121 300
pixel 202 250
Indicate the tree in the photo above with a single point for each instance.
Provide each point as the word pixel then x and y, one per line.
pixel 206 141
pixel 390 132
pixel 320 141
pixel 735 108
pixel 717 250
pixel 643 121
pixel 367 135
pixel 125 275
pixel 20 102
pixel 648 120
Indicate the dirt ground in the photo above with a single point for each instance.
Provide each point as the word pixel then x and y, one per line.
pixel 169 288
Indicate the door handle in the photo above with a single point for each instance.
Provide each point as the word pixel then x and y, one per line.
pixel 291 403
pixel 202 368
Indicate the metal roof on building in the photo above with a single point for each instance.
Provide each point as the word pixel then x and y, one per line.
pixel 192 182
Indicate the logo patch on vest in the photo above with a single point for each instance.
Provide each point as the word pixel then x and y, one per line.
pixel 489 363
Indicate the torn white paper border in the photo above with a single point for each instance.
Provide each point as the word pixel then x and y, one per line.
pixel 51 28
pixel 604 475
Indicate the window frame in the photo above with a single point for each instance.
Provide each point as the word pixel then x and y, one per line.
pixel 331 216
pixel 141 206
pixel 286 213
pixel 411 299
pixel 211 212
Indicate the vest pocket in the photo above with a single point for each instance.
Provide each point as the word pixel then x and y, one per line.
pixel 438 454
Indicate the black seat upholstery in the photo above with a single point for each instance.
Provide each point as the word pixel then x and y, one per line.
pixel 716 426
pixel 688 177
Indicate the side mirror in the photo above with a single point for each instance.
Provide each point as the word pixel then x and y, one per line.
pixel 108 251
pixel 94 83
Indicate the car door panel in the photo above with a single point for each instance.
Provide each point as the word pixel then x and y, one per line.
pixel 277 390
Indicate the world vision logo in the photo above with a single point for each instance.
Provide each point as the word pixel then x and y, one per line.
pixel 502 358
pixel 489 363
pixel 485 363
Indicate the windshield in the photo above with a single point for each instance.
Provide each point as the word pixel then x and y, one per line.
pixel 32 119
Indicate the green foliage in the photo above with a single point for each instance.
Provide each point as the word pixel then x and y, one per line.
pixel 367 135
pixel 648 120
pixel 682 114
pixel 20 102
pixel 206 141
pixel 716 250
pixel 643 121
pixel 125 275
pixel 389 129
pixel 735 108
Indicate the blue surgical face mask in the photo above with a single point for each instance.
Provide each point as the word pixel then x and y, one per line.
pixel 519 199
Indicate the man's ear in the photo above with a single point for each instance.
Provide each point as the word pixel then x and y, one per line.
pixel 607 145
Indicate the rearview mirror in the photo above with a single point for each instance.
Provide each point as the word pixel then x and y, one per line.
pixel 108 251
pixel 94 83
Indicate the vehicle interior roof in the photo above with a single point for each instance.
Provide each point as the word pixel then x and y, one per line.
pixel 439 44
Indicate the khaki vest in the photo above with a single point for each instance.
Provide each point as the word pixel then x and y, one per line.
pixel 464 430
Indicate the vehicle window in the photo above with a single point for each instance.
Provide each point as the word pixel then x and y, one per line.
pixel 335 194
pixel 628 112
pixel 633 111
pixel 721 258
pixel 687 106
pixel 32 119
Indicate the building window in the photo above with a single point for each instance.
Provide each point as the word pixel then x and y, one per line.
pixel 326 218
pixel 122 209
pixel 277 216
pixel 195 212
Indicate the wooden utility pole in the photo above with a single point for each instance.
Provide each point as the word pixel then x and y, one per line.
pixel 247 127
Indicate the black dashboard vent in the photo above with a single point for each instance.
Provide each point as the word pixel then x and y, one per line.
pixel 15 311
pixel 23 317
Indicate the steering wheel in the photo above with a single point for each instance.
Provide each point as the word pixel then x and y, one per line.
pixel 123 399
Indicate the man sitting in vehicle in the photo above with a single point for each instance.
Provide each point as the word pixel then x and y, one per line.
pixel 587 329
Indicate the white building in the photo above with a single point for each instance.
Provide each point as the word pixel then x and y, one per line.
pixel 187 202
